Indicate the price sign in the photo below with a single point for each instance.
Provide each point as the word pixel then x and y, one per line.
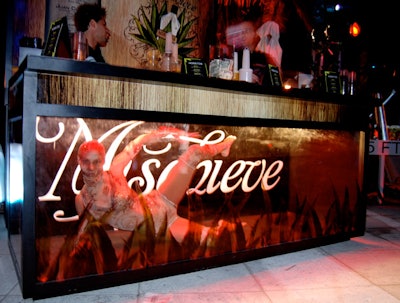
pixel 195 67
pixel 332 83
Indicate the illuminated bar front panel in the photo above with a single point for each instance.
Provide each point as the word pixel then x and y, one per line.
pixel 199 187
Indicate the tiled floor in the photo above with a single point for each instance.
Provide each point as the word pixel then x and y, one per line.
pixel 364 269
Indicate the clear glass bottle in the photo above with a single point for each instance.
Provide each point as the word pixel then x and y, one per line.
pixel 166 60
pixel 176 62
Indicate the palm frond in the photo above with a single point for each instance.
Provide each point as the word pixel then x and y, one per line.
pixel 149 30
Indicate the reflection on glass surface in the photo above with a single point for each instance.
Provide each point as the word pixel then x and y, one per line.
pixel 2 166
pixel 15 200
pixel 16 174
pixel 276 185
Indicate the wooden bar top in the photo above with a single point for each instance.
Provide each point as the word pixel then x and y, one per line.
pixel 80 83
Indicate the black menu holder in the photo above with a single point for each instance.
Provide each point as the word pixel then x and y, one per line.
pixel 272 77
pixel 195 67
pixel 332 83
pixel 58 43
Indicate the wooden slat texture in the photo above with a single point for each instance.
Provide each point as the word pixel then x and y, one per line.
pixel 178 98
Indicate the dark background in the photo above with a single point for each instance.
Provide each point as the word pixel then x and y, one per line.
pixel 379 27
pixel 380 19
pixel 374 54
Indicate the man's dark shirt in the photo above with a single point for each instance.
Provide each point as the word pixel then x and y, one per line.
pixel 96 54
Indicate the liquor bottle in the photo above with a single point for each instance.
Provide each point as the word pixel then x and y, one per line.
pixel 175 61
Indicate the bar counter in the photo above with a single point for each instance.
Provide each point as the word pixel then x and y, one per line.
pixel 292 178
pixel 80 83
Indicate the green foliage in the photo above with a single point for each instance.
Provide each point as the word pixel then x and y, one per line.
pixel 149 25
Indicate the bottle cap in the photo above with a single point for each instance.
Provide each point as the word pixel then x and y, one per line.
pixel 174 9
